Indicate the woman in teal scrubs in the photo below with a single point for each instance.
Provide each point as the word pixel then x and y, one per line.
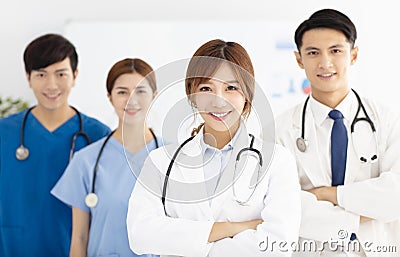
pixel 99 228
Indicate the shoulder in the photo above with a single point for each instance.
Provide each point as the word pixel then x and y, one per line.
pixel 90 151
pixel 94 128
pixel 93 122
pixel 161 157
pixel 13 120
pixel 383 115
pixel 11 125
pixel 289 115
pixel 277 159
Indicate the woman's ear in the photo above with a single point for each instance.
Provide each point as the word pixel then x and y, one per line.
pixel 155 93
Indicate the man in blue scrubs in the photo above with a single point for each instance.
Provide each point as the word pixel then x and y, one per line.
pixel 32 221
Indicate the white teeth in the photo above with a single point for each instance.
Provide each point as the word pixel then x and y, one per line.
pixel 219 114
pixel 326 75
pixel 52 96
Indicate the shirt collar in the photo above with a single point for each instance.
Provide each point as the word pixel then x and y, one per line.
pixel 320 111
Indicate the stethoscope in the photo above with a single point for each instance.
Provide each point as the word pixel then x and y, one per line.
pixel 22 152
pixel 253 187
pixel 302 143
pixel 92 199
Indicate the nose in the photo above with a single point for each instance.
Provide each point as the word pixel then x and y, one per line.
pixel 51 81
pixel 133 100
pixel 325 61
pixel 219 99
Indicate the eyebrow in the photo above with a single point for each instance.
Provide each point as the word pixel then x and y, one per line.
pixel 232 81
pixel 331 47
pixel 121 87
pixel 219 80
pixel 140 86
pixel 59 70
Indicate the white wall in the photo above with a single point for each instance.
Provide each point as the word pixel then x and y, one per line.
pixel 377 67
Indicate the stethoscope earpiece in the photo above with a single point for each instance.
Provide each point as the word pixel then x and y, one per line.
pixel 22 153
pixel 91 200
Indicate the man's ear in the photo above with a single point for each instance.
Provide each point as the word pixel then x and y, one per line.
pixel 75 76
pixel 76 73
pixel 298 59
pixel 353 55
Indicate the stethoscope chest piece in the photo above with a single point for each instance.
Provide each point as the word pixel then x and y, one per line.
pixel 22 153
pixel 91 200
pixel 301 144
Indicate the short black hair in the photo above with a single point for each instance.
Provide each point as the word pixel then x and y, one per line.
pixel 47 50
pixel 330 19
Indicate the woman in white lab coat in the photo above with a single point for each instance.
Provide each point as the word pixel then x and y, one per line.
pixel 208 206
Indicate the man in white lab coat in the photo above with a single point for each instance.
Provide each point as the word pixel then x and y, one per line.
pixel 349 169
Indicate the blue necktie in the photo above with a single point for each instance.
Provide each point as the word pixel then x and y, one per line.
pixel 338 148
pixel 338 151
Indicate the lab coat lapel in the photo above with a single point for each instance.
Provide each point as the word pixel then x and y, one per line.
pixel 309 160
pixel 353 164
pixel 189 165
pixel 224 188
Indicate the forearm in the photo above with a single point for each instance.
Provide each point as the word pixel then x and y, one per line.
pixel 78 247
pixel 325 194
pixel 383 192
pixel 221 230
pixel 80 233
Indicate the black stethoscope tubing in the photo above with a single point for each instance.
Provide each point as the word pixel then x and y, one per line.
pixel 22 152
pixel 92 199
pixel 171 163
pixel 165 185
pixel 302 144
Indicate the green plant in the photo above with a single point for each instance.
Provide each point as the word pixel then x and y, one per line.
pixel 10 106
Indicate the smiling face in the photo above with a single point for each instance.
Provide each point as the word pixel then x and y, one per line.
pixel 52 85
pixel 220 101
pixel 326 56
pixel 131 97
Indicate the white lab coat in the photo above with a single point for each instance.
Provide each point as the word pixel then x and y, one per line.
pixel 185 231
pixel 371 190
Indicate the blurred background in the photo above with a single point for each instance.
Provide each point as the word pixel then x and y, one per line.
pixel 161 32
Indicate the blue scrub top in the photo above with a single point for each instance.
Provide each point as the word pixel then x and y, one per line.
pixel 116 176
pixel 32 221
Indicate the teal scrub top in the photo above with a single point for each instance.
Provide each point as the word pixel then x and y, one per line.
pixel 32 221
pixel 115 178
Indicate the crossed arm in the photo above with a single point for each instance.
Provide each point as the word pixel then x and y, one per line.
pixel 330 194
